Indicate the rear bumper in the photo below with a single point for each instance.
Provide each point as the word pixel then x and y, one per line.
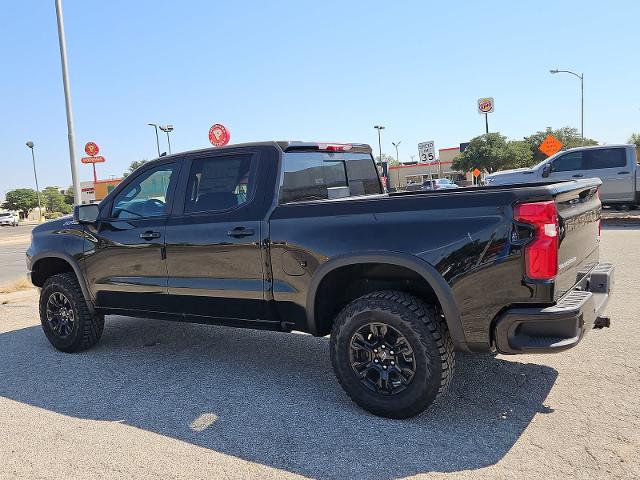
pixel 561 326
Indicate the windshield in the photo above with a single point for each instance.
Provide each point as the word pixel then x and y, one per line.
pixel 6 214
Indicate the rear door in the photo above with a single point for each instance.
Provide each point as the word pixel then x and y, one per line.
pixel 610 165
pixel 214 238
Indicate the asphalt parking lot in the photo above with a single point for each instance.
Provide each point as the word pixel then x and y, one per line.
pixel 168 400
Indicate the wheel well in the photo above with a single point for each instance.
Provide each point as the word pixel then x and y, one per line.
pixel 47 267
pixel 344 284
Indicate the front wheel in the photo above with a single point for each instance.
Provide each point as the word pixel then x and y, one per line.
pixel 66 319
pixel 392 353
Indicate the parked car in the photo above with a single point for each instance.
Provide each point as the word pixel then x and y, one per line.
pixel 439 184
pixel 616 165
pixel 301 236
pixel 8 219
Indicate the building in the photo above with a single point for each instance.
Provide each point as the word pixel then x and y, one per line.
pixel 93 192
pixel 407 174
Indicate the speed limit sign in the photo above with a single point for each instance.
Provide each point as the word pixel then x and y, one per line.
pixel 427 151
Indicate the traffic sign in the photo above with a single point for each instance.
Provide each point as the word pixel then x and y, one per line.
pixel 550 145
pixel 485 105
pixel 92 149
pixel 427 152
pixel 98 159
pixel 476 172
pixel 219 135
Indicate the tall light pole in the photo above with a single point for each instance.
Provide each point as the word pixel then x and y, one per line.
pixel 397 144
pixel 35 174
pixel 157 139
pixel 166 129
pixel 75 180
pixel 379 127
pixel 581 77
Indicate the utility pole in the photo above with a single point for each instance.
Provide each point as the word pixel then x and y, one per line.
pixel 397 144
pixel 30 144
pixel 379 127
pixel 75 180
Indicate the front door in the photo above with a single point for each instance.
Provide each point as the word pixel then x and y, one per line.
pixel 214 257
pixel 569 166
pixel 125 266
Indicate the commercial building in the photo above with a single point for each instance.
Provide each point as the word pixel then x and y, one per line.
pixel 407 174
pixel 93 192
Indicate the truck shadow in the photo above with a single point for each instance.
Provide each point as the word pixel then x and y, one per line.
pixel 271 398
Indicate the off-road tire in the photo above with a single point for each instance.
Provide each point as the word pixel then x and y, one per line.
pixel 87 328
pixel 425 330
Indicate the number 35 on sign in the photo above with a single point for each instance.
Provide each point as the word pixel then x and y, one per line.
pixel 427 152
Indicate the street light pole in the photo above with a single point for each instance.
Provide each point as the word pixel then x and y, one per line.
pixel 157 139
pixel 397 144
pixel 75 180
pixel 167 129
pixel 581 77
pixel 35 174
pixel 379 127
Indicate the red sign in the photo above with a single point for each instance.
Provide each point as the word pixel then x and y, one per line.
pixel 476 172
pixel 99 159
pixel 219 135
pixel 91 148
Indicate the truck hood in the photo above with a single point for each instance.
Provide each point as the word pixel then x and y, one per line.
pixel 53 225
pixel 506 177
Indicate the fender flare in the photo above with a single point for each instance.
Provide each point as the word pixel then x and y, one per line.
pixel 76 269
pixel 425 270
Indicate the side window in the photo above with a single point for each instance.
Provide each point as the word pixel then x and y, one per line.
pixel 606 158
pixel 220 183
pixel 145 196
pixel 568 162
pixel 322 176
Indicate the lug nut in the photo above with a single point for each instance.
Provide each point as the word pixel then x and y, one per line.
pixel 392 362
pixel 384 366
pixel 375 350
pixel 382 346
pixel 391 352
pixel 376 360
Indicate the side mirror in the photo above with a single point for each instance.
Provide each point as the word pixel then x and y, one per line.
pixel 86 213
pixel 547 169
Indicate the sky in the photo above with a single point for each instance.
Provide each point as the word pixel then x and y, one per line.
pixel 302 70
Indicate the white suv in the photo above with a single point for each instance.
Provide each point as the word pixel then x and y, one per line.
pixel 8 218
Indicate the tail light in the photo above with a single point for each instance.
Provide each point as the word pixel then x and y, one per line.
pixel 335 147
pixel 541 254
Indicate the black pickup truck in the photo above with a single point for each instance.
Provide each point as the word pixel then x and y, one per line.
pixel 302 236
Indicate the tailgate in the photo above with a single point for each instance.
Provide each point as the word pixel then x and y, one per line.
pixel 579 211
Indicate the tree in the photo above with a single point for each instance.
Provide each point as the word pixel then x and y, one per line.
pixel 68 196
pixel 635 139
pixel 489 152
pixel 569 137
pixel 53 201
pixel 21 199
pixel 519 154
pixel 133 166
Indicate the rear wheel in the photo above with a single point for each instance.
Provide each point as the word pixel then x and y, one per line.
pixel 392 353
pixel 66 319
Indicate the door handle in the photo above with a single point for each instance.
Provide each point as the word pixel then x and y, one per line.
pixel 623 173
pixel 149 235
pixel 578 175
pixel 241 232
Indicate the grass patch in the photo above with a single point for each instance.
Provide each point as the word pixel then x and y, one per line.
pixel 18 285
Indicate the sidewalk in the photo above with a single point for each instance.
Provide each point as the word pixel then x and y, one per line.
pixel 611 216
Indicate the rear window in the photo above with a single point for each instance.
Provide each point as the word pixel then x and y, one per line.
pixel 606 158
pixel 325 175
